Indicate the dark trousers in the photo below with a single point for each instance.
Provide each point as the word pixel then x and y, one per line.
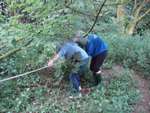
pixel 95 65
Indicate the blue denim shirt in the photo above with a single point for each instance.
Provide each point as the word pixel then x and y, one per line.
pixel 69 49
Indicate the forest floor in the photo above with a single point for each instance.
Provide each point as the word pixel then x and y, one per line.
pixel 143 85
pixel 58 93
pixel 143 106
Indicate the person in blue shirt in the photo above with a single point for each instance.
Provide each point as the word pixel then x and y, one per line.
pixel 97 49
pixel 73 53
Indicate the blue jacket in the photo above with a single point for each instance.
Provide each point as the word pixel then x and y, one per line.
pixel 69 49
pixel 95 45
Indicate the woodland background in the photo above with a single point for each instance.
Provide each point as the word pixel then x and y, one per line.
pixel 29 31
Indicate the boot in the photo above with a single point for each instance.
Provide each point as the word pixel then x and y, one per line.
pixel 97 79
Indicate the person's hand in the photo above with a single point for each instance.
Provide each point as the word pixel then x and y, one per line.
pixel 50 63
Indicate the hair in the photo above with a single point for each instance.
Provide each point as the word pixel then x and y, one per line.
pixel 60 44
pixel 79 34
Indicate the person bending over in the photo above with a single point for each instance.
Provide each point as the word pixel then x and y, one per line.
pixel 97 49
pixel 71 52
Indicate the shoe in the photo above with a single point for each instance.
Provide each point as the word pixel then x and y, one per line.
pixel 97 79
pixel 99 72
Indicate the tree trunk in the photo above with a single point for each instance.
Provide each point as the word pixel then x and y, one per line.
pixel 120 12
pixel 120 17
pixel 131 28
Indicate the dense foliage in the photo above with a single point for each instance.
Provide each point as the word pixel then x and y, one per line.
pixel 29 32
pixel 116 97
pixel 132 52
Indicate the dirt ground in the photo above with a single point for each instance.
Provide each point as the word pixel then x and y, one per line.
pixel 143 105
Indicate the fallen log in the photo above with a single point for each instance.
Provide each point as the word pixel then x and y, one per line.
pixel 11 52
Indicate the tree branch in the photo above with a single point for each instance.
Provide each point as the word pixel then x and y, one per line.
pixel 148 11
pixel 96 18
pixel 9 53
pixel 135 5
pixel 115 4
pixel 137 12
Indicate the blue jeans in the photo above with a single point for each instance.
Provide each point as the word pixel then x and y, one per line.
pixel 74 81
pixel 75 77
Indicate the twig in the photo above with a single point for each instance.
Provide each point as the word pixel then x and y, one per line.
pixel 135 5
pixel 137 12
pixel 148 11
pixel 96 18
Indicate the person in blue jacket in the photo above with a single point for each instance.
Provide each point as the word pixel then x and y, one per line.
pixel 97 49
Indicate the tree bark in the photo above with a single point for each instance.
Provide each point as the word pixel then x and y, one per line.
pixel 120 12
pixel 121 15
pixel 136 18
pixel 131 28
pixel 11 52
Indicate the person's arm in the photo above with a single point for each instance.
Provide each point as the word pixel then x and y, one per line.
pixel 58 55
pixel 51 61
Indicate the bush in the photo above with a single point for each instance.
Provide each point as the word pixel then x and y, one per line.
pixel 132 52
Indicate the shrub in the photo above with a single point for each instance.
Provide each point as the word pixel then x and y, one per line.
pixel 133 52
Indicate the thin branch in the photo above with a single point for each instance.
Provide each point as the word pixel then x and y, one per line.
pixel 148 11
pixel 92 16
pixel 135 5
pixel 137 12
pixel 96 18
pixel 115 4
pixel 67 5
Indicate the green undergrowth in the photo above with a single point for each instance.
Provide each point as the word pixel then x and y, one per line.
pixel 130 51
pixel 118 96
pixel 47 24
pixel 27 94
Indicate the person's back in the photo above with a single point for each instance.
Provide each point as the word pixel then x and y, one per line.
pixel 97 49
pixel 95 45
pixel 69 49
